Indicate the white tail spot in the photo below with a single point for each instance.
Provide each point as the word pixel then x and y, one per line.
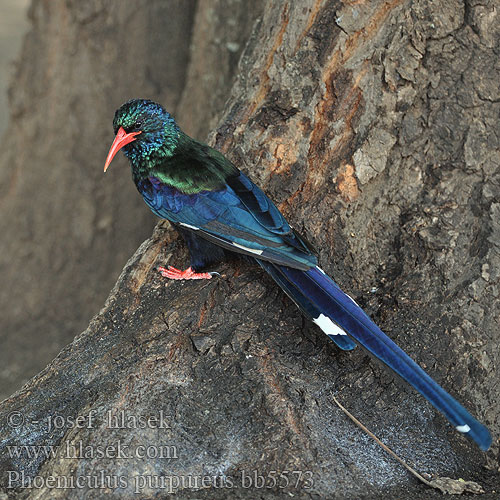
pixel 328 326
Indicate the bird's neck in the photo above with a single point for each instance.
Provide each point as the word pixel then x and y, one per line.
pixel 189 167
pixel 144 162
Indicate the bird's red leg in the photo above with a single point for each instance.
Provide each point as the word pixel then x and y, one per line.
pixel 176 274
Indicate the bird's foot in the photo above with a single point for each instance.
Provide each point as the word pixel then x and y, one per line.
pixel 176 274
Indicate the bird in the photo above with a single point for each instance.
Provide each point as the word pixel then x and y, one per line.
pixel 219 211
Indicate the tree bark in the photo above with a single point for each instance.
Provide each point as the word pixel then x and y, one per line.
pixel 374 127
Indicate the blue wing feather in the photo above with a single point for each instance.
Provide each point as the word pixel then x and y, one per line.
pixel 239 215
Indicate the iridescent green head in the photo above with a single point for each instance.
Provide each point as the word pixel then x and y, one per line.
pixel 144 130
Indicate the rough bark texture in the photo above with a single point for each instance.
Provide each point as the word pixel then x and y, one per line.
pixel 221 30
pixel 374 126
pixel 66 230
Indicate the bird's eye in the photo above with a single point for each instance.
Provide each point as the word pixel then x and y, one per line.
pixel 137 125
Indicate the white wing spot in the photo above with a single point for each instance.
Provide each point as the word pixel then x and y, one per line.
pixel 189 226
pixel 252 250
pixel 328 326
pixel 463 428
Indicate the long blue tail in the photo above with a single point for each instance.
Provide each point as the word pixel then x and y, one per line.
pixel 325 297
pixel 308 308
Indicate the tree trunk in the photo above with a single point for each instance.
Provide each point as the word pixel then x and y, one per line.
pixel 374 127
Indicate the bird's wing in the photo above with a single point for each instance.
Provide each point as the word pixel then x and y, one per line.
pixel 238 216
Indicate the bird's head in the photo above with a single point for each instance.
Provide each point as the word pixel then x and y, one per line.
pixel 142 128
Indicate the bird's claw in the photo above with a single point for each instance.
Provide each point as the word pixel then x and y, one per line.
pixel 189 274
